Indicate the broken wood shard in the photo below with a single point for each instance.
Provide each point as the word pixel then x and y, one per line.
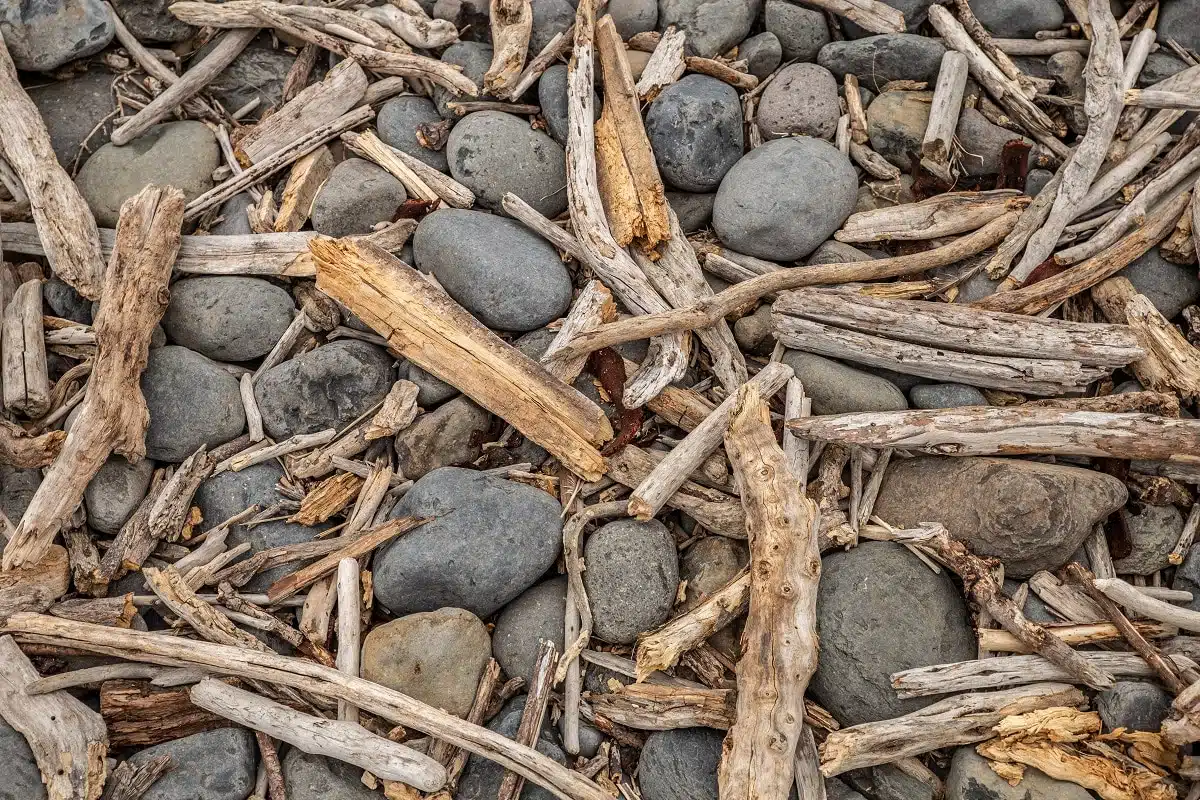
pixel 940 215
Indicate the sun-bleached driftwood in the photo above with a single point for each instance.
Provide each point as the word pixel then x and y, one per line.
pixel 68 739
pixel 660 649
pixel 1160 98
pixel 1065 599
pixel 1030 220
pixel 713 509
pixel 398 411
pixel 1074 634
pixel 593 306
pixel 947 723
pixel 511 23
pixel 129 782
pixel 988 45
pixel 344 741
pixel 670 473
pixel 34 586
pixel 59 210
pixel 336 21
pixel 306 177
pixel 533 714
pixel 20 449
pixel 113 416
pixel 418 177
pixel 115 611
pixel 1128 596
pixel 937 145
pixel 416 29
pixel 665 66
pixel 1122 173
pixel 556 47
pixel 23 371
pixel 262 452
pixel 871 15
pixel 780 640
pixel 435 332
pixel 349 611
pixel 655 707
pixel 721 71
pixel 940 215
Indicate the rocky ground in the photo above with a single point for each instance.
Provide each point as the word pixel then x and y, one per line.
pixel 774 129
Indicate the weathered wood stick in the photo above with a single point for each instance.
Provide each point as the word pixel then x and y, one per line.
pixel 1030 220
pixel 536 701
pixel 417 29
pixel 655 707
pixel 1074 634
pixel 419 178
pixel 1122 173
pixel 1183 726
pixel 666 65
pixel 721 71
pixel 555 48
pixel 19 449
pixel 713 509
pixel 780 641
pixel 113 416
pixel 944 110
pixel 592 307
pixel 349 602
pixel 59 210
pixel 660 649
pixel 68 739
pixel 1128 596
pixel 940 215
pixel 306 177
pixel 35 586
pixel 511 23
pixel 1160 98
pixel 23 370
pixel 431 329
pixel 872 15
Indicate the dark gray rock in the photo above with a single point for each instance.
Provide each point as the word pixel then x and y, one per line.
pixel 150 20
pixel 896 123
pixel 1170 287
pixel 490 540
pixel 1159 66
pixel 836 790
pixel 695 129
pixel 836 388
pixel 1036 180
pixel 633 16
pixel 493 153
pixel 1154 530
pixel 20 778
pixel 802 32
pixel 694 209
pixel 397 123
pixel 875 60
pixel 971 778
pixel 17 487
pixel 67 303
pixel 712 26
pixel 431 391
pixel 784 198
pixel 552 97
pixel 1133 705
pixel 228 318
pixel 257 73
pixel 537 614
pixel 1187 576
pixel 945 395
pixel 357 195
pixel 1018 19
pixel 763 54
pixel 434 656
pixel 41 35
pixel 982 142
pixel 631 579
pixel 481 778
pixel 976 287
pixel 753 331
pixel 324 388
pixel 182 154
pixel 310 777
pixel 114 494
pixel 931 626
pixel 1031 516
pixel 451 434
pixel 192 402
pixel 550 17
pixel 474 58
pixel 887 782
pixel 915 13
pixel 802 99
pixel 1180 20
pixel 507 276
pixel 680 764
pixel 215 765
pixel 72 109
pixel 234 221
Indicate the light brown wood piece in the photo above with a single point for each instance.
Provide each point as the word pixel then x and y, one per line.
pixel 854 107
pixel 34 586
pixel 1064 599
pixel 422 181
pixel 255 454
pixel 1180 246
pixel 937 145
pixel 115 611
pixel 398 411
pixel 721 71
pixel 713 509
pixel 138 714
pixel 532 715
pixel 68 739
pixel 20 449
pixel 511 24
pixel 349 611
pixel 1128 596
pixel 1161 98
pixel 175 594
pixel 327 498
pixel 24 374
pixel 940 215
pixel 780 640
pixel 435 332
pixel 261 213
pixel 129 782
pixel 998 640
pixel 655 707
pixel 665 66
pixel 555 48
pixel 113 416
pixel 305 179
pixel 660 649
pixel 593 306
pixel 871 15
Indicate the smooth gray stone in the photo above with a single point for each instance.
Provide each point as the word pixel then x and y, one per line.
pixel 983 142
pixel 785 198
pixel 72 109
pixel 20 778
pixel 1154 530
pixel 836 388
pixel 1159 66
pixel 695 130
pixel 887 782
pixel 214 765
pixel 234 221
pixel 802 32
pixel 763 53
pixel 1133 705
pixel 537 614
pixel 192 402
pixel 506 275
pixel 150 20
pixel 257 73
pixel 1187 577
pixel 490 540
pixel 67 303
pixel 836 790
pixel 801 100
pixel 945 395
pixel 631 578
pixel 915 13
pixel 328 387
pixel 432 391
pixel 693 209
pixel 228 318
pixel 835 252
pixel 182 154
pixel 116 491
pixel 633 16
pixel 753 331
pixel 680 764
pixel 550 17
pixel 44 34
pixel 310 777
pixel 876 60
pixel 1036 180
pixel 493 153
pixel 971 778
pixel 896 123
pixel 712 26
pixel 1018 19
pixel 931 626
pixel 357 195
pixel 1180 20
pixel 17 487
pixel 451 434
pixel 1170 287
pixel 397 123
pixel 475 58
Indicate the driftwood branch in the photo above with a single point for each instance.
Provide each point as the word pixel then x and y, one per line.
pixel 660 649
pixel 23 370
pixel 532 716
pixel 940 215
pixel 944 111
pixel 511 23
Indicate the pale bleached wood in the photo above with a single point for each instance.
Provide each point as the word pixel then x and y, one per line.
pixel 871 15
pixel 113 416
pixel 417 29
pixel 422 181
pixel 254 422
pixel 68 739
pixel 809 781
pixel 349 610
pixel 437 334
pixel 738 79
pixel 660 649
pixel 20 449
pixel 130 782
pixel 1122 173
pixel 554 49
pixel 398 411
pixel 1000 264
pixel 594 306
pixel 713 509
pixel 306 177
pixel 670 473
pixel 795 405
pixel 1163 98
pixel 34 586
pixel 937 145
pixel 857 115
pixel 330 18
pixel 1128 596
pixel 780 640
pixel 23 371
pixel 62 216
pixel 665 66
pixel 532 715
pixel 952 722
pixel 940 215
pixel 1078 634
pixel 511 23
pixel 1065 599
pixel 1135 57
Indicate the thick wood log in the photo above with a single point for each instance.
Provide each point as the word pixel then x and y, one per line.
pixel 940 215
pixel 35 586
pixel 780 641
pixel 435 332
pixel 660 649
pixel 23 371
pixel 138 714
pixel 20 449
pixel 113 416
pixel 511 23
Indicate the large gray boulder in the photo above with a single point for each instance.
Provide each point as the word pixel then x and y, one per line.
pixel 228 318
pixel 192 402
pixel 712 26
pixel 215 765
pixel 876 60
pixel 680 764
pixel 836 388
pixel 695 130
pixel 1170 287
pixel 631 578
pixel 1133 705
pixel 71 109
pixel 20 778
pixel 44 34
pixel 1153 531
pixel 357 196
pixel 493 153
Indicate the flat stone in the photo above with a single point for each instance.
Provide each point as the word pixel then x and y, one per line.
pixel 945 395
pixel 763 54
pixel 20 778
pixel 836 790
pixel 506 275
pixel 451 434
pixel 257 73
pixel 72 109
pixel 802 32
pixel 550 17
pixel 784 198
pixel 310 777
pixel 182 154
pixel 1133 705
pixel 214 765
pixel 328 387
pixel 435 657
pixel 1036 180
pixel 44 34
pixel 1154 531
pixel 712 26
pixel 481 779
pixel 631 578
pixel 971 778
pixel 1170 287
pixel 116 491
pixel 356 197
pixel 983 143
pixel 836 388
pixel 855 601
pixel 192 402
pixel 150 20
pixel 887 782
pixel 1031 516
pixel 693 209
pixel 801 100
pixel 537 614
pixel 876 60
pixel 896 123
pixel 633 16
pixel 234 220
pixel 397 123
pixel 1018 19
pixel 1180 20
pixel 695 130
pixel 680 764
pixel 228 318
pixel 490 540
pixel 493 153
pixel 1159 67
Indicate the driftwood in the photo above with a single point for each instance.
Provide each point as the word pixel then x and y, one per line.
pixel 721 71
pixel 871 15
pixel 940 215
pixel 127 782
pixel 421 180
pixel 140 714
pixel 1001 641
pixel 433 331
pixel 660 649
pixel 303 181
pixel 67 738
pixel 35 585
pixel 937 145
pixel 780 641
pixel 556 47
pixel 713 509
pixel 593 306
pixel 292 583
pixel 511 23
pixel 349 609
pixel 23 371
pixel 1128 596
pixel 533 714
pixel 412 25
pixel 20 449
pixel 113 416
pixel 653 707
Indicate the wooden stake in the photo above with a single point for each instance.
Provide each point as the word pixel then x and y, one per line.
pixel 536 701
pixel 937 146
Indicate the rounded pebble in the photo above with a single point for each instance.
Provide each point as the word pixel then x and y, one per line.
pixel 493 153
pixel 228 318
pixel 397 123
pixel 355 197
pixel 631 578
pixel 802 99
pixel 695 129
pixel 192 402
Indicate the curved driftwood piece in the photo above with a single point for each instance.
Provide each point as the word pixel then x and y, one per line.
pixel 20 449
pixel 593 306
pixel 511 23
pixel 417 30
pixel 940 215
pixel 113 416
pixel 660 649
pixel 666 65
pixel 1128 596
pixel 556 47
